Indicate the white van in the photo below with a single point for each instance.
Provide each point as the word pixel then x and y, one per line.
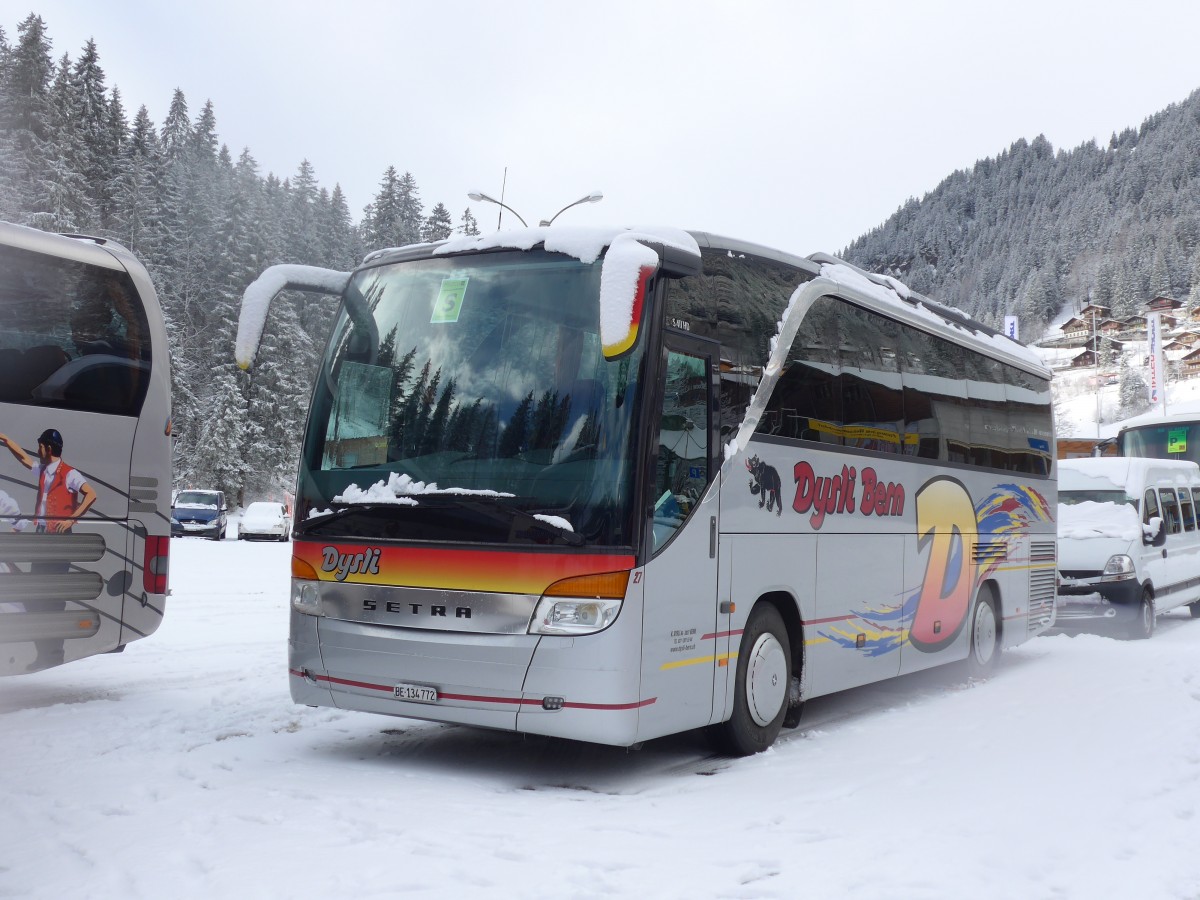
pixel 1128 542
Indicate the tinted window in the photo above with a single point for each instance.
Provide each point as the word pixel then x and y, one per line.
pixel 1150 507
pixel 1170 508
pixel 856 378
pixel 72 335
pixel 738 300
pixel 1187 509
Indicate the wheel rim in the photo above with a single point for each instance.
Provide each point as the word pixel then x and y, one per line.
pixel 984 638
pixel 1147 616
pixel 766 679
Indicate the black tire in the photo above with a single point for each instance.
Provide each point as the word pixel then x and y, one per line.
pixel 1194 609
pixel 985 637
pixel 1142 627
pixel 764 671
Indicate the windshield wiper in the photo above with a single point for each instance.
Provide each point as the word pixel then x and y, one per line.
pixel 511 512
pixel 335 514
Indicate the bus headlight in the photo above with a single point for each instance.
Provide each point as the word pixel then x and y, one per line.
pixel 558 616
pixel 1118 568
pixel 580 605
pixel 306 597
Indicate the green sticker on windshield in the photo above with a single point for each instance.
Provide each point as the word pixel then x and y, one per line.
pixel 449 300
pixel 1177 440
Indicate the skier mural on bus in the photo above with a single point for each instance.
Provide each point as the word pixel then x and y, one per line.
pixel 63 495
pixel 63 492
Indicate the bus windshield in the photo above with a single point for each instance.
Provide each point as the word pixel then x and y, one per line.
pixel 1164 440
pixel 475 406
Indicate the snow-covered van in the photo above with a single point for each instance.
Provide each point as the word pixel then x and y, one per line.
pixel 1128 542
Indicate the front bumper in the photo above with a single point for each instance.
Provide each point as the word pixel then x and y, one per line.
pixel 197 529
pixel 1087 602
pixel 265 534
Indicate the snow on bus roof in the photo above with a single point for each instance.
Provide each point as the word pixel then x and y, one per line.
pixel 585 244
pixel 1176 413
pixel 896 294
pixel 256 301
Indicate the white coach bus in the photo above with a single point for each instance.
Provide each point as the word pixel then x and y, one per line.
pixel 612 485
pixel 85 460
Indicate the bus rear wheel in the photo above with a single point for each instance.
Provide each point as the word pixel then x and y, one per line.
pixel 764 672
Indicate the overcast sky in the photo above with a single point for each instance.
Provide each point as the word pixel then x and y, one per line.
pixel 797 124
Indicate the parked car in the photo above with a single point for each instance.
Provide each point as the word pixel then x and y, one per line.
pixel 200 513
pixel 266 520
pixel 1128 542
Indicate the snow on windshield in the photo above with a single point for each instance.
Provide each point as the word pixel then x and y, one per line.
pixel 1082 521
pixel 196 500
pixel 400 489
pixel 256 301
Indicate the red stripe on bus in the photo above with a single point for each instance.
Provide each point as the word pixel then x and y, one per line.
pixel 712 637
pixel 616 706
pixel 477 698
pixel 830 619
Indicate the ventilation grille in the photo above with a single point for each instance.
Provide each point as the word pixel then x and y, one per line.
pixel 986 552
pixel 1041 551
pixel 1041 599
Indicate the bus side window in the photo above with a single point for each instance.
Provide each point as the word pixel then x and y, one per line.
pixel 682 472
pixel 1188 510
pixel 1149 506
pixel 1170 508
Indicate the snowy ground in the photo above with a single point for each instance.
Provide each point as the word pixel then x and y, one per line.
pixel 181 769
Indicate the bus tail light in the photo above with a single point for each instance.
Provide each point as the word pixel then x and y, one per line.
pixel 155 564
pixel 582 605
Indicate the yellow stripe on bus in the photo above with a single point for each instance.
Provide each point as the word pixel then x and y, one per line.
pixel 697 660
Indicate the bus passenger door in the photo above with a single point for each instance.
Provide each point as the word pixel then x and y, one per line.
pixel 680 616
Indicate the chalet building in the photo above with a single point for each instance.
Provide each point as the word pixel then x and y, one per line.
pixel 1104 342
pixel 1084 360
pixel 1094 309
pixel 1111 327
pixel 1134 323
pixel 1189 365
pixel 1185 340
pixel 1076 448
pixel 1076 329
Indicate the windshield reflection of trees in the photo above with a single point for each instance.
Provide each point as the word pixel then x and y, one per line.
pixel 429 414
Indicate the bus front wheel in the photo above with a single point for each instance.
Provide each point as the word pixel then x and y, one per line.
pixel 1141 628
pixel 764 672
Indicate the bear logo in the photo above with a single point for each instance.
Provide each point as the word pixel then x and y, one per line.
pixel 764 481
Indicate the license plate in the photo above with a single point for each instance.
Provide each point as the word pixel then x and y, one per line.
pixel 415 693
